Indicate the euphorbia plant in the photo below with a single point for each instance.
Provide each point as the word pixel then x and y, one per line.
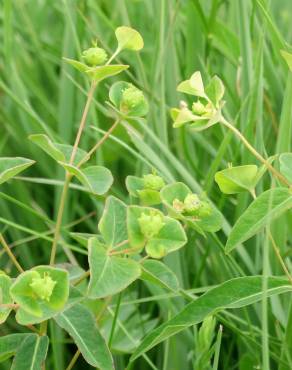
pixel 132 238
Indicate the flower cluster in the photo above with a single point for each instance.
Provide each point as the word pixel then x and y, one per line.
pixel 206 110
pixel 192 206
pixel 43 286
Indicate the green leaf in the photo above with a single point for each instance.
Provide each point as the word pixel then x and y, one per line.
pixel 113 225
pixel 79 322
pixel 22 291
pixel 82 238
pixel 169 238
pixel 215 90
pixel 81 67
pixel 193 86
pixel 237 179
pixel 11 166
pixel 99 73
pixel 158 273
pixel 5 298
pixel 134 184
pixel 32 353
pixel 286 165
pixel 235 293
pixel 97 179
pixel 268 206
pixel 59 152
pixel 46 144
pixel 288 58
pixel 109 274
pixel 128 38
pixel 9 345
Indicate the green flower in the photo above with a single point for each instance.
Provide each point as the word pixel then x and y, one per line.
pixel 206 110
pixel 43 286
pixel 192 206
pixel 150 224
pixel 153 182
pixel 94 56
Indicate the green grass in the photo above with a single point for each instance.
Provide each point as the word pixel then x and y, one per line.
pixel 238 40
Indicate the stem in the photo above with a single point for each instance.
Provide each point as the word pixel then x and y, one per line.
pixel 82 277
pixel 68 175
pixel 278 255
pixel 82 122
pixel 73 361
pixel 60 218
pixel 99 143
pixel 43 327
pixel 255 152
pixel 113 56
pixel 10 254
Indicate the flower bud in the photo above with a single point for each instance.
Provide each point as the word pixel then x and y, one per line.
pixel 150 224
pixel 43 286
pixel 192 203
pixel 131 98
pixel 94 56
pixel 153 182
pixel 198 108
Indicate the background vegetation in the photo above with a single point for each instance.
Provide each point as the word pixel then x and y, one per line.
pixel 240 41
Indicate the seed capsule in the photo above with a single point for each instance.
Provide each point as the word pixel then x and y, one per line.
pixel 131 98
pixel 153 182
pixel 94 56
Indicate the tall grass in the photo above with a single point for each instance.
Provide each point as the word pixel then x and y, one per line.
pixel 238 40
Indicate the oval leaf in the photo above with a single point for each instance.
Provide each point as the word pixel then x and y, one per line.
pixel 158 273
pixel 109 274
pixel 128 38
pixel 235 293
pixel 97 179
pixel 11 166
pixel 59 152
pixel 101 72
pixel 237 179
pixel 113 225
pixel 268 206
pixel 79 322
pixel 32 353
pixel 193 86
pixel 9 345
pixel 46 144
